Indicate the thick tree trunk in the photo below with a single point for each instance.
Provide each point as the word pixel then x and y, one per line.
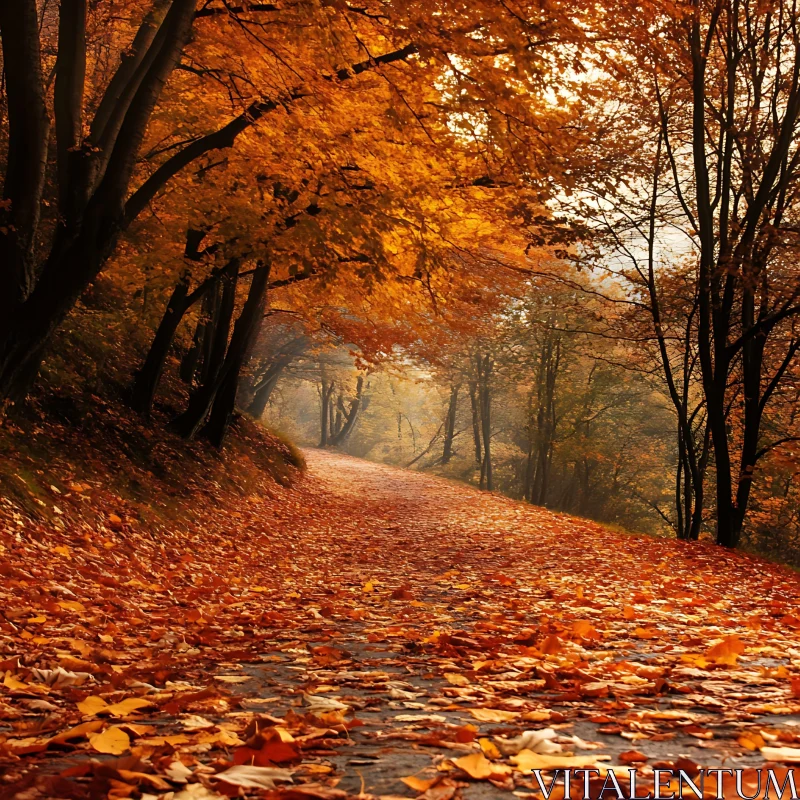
pixel 530 469
pixel 79 251
pixel 727 535
pixel 266 386
pixel 148 377
pixel 209 399
pixel 222 408
pixel 450 425
pixel 198 353
pixel 68 106
pixel 337 417
pixel 28 130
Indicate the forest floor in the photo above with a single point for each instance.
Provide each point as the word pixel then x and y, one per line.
pixel 377 632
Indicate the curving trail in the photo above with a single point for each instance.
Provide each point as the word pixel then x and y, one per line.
pixel 372 624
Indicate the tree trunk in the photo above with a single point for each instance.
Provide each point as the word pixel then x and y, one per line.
pixel 350 420
pixel 78 252
pixel 220 325
pixel 485 365
pixel 476 421
pixel 266 386
pixel 222 408
pixel 68 106
pixel 338 414
pixel 326 391
pixel 147 378
pixel 727 536
pixel 197 354
pixel 450 425
pixel 204 400
pixel 28 131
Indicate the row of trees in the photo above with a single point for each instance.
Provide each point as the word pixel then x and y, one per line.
pixel 418 185
pixel 142 98
pixel 558 396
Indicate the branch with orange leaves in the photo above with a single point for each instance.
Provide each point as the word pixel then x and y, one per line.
pixel 225 136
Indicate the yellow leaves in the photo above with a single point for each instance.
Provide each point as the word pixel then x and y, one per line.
pixel 595 689
pixel 536 716
pixel 368 587
pixel 72 605
pixel 160 741
pixel 695 660
pixel 223 738
pixel 92 705
pixel 493 714
pixel 15 685
pixel 751 741
pixel 97 705
pixel 283 734
pixel 85 729
pixel 489 749
pixel 30 744
pixel 419 784
pixel 112 741
pixel 142 777
pixel 551 646
pixel 62 550
pixel 479 768
pixel 585 629
pixel 10 682
pixel 727 651
pixel 526 761
pixel 78 664
pixel 456 679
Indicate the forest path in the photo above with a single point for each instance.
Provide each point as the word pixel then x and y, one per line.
pixel 372 624
pixel 680 653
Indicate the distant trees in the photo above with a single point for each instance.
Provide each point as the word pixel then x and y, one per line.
pixel 703 235
pixel 339 409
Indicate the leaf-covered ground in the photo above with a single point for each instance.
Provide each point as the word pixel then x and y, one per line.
pixel 371 631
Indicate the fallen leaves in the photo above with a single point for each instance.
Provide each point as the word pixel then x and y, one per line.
pixel 251 777
pixel 113 741
pixel 493 714
pixel 727 651
pixel 225 671
pixel 419 784
pixel 477 766
pixel 94 705
pixel 527 761
pixel 787 755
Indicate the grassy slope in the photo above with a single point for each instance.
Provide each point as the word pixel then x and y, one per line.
pixel 76 457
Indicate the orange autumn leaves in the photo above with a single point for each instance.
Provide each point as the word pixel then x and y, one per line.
pixel 260 658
